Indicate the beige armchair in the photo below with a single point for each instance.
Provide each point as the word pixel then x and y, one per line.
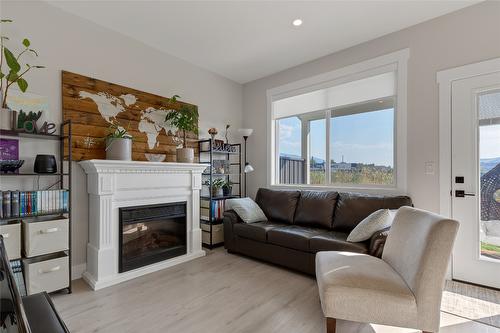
pixel 402 289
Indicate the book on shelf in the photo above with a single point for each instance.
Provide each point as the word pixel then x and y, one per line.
pixel 17 270
pixel 216 208
pixel 33 203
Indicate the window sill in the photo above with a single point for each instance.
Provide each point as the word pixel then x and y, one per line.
pixel 358 189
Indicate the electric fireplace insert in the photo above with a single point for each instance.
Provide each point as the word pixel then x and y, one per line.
pixel 152 233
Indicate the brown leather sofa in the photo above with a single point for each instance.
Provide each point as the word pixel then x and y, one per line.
pixel 301 223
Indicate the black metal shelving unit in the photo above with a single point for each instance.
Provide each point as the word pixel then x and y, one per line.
pixel 207 156
pixel 64 182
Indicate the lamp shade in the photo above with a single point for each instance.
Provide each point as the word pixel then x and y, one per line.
pixel 245 131
pixel 248 168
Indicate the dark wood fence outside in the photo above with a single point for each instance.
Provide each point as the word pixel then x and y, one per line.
pixel 292 170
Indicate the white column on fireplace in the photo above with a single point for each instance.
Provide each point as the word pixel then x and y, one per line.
pixel 115 184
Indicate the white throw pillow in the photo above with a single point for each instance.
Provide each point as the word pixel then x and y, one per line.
pixel 374 222
pixel 246 209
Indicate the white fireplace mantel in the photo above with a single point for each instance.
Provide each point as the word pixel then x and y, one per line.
pixel 115 184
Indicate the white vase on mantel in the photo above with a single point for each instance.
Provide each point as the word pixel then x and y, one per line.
pixel 119 149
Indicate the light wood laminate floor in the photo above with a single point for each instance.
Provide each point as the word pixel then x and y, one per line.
pixel 217 293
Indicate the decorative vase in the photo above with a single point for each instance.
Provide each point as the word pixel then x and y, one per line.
pixel 217 192
pixel 6 118
pixel 185 155
pixel 45 164
pixel 119 149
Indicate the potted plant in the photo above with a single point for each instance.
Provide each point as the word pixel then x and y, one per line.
pixel 118 143
pixel 185 120
pixel 15 74
pixel 227 188
pixel 217 185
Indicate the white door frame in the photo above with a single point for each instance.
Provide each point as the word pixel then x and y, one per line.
pixel 445 79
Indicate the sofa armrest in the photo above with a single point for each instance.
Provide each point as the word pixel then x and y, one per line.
pixel 377 242
pixel 230 218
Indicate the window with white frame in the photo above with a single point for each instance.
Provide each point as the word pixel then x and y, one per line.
pixel 340 133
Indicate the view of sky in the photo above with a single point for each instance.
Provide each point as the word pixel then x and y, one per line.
pixel 489 138
pixel 360 138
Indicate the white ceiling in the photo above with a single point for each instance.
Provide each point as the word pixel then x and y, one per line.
pixel 247 40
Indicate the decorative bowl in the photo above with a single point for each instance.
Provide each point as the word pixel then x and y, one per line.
pixel 155 157
pixel 10 165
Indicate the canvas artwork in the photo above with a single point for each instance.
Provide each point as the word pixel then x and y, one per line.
pixel 9 149
pixel 93 105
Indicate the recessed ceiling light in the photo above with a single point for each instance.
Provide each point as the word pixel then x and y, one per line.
pixel 297 22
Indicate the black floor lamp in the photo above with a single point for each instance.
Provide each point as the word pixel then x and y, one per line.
pixel 246 132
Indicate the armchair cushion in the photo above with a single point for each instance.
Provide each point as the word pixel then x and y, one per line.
pixel 353 286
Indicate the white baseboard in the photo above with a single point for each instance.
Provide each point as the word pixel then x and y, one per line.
pixel 77 271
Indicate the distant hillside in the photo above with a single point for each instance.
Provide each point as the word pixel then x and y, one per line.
pixel 488 163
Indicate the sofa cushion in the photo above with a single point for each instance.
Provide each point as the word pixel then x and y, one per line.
pixel 335 241
pixel 278 206
pixel 255 231
pixel 292 236
pixel 352 208
pixel 315 208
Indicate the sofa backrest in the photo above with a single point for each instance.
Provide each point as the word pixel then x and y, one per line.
pixel 325 209
pixel 352 208
pixel 278 205
pixel 316 208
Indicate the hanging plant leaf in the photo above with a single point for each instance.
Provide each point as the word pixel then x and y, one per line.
pixel 11 60
pixel 26 42
pixel 23 85
pixel 12 76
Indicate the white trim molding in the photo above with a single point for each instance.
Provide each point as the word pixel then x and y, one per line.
pixel 112 185
pixel 445 79
pixel 395 61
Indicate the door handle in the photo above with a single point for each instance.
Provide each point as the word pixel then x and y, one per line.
pixel 462 194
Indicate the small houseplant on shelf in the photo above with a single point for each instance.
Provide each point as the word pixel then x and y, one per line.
pixel 15 73
pixel 185 120
pixel 118 143
pixel 217 187
pixel 227 188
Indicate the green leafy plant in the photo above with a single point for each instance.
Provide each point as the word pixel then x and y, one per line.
pixel 16 72
pixel 115 131
pixel 227 185
pixel 185 119
pixel 218 183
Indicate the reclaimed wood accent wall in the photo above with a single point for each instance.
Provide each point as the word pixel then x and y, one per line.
pixel 93 105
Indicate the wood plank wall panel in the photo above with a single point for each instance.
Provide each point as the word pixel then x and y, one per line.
pixel 89 126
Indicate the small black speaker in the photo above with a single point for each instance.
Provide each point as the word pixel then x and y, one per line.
pixel 45 164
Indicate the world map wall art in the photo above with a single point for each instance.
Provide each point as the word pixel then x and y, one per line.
pixel 93 105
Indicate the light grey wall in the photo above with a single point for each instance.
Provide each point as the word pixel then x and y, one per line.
pixel 66 42
pixel 466 36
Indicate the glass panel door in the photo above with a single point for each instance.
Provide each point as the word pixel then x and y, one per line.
pixel 489 159
pixel 476 178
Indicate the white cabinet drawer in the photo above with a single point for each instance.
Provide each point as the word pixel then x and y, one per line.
pixel 12 239
pixel 49 275
pixel 45 237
